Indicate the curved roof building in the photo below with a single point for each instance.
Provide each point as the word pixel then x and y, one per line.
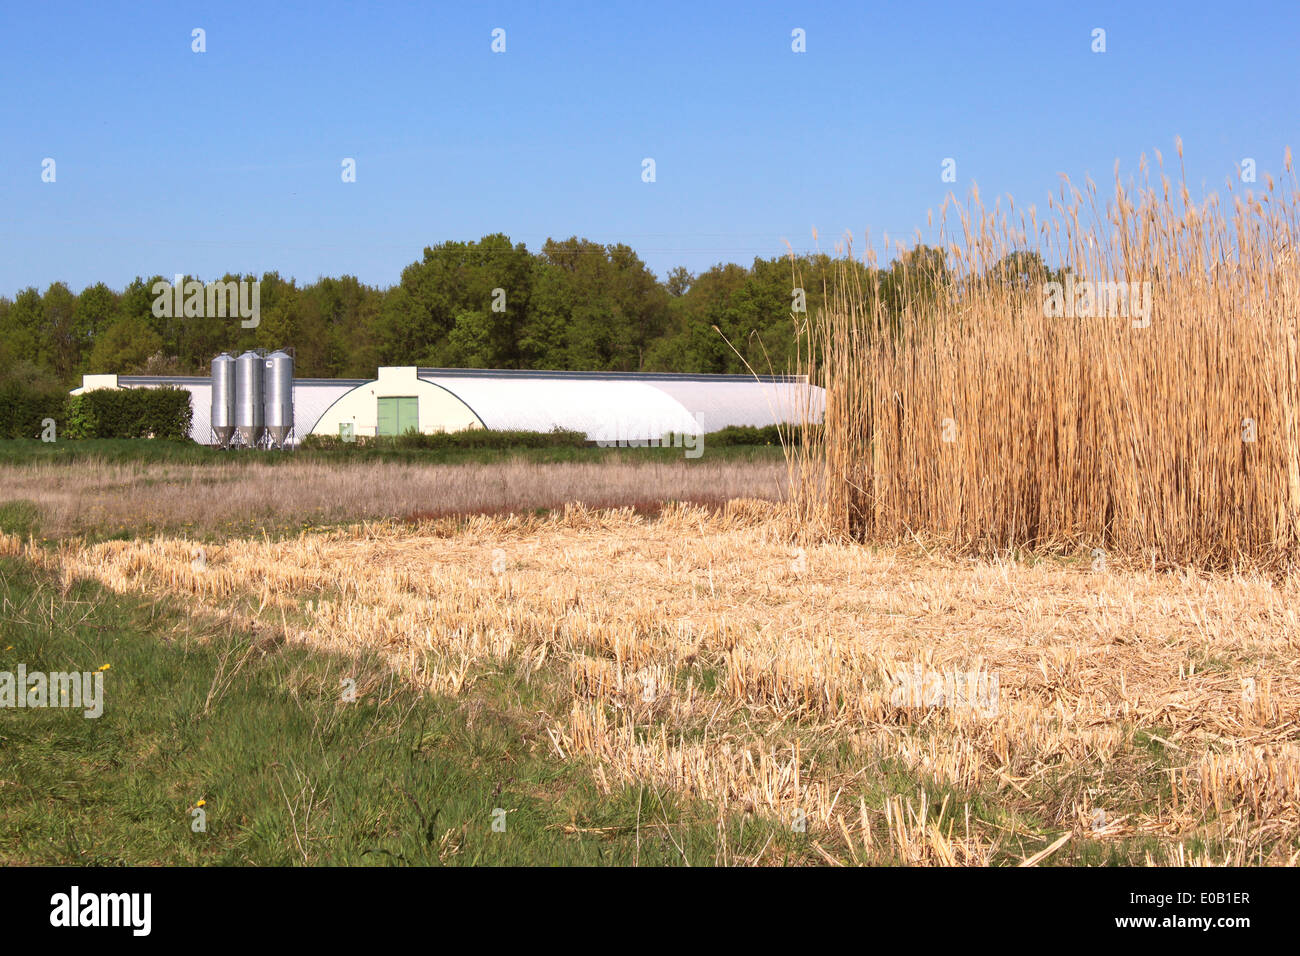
pixel 612 407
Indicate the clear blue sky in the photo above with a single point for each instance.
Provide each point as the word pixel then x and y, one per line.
pixel 170 161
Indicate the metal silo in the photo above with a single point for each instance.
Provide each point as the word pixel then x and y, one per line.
pixel 279 396
pixel 223 398
pixel 250 416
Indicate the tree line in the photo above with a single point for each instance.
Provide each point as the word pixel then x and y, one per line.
pixel 573 305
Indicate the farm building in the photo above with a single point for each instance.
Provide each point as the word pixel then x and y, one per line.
pixel 611 407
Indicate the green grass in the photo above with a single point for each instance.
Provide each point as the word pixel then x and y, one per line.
pixel 20 517
pixel 288 771
pixel 144 450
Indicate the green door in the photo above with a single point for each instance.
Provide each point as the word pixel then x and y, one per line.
pixel 399 415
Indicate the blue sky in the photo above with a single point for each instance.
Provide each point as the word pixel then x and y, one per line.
pixel 170 161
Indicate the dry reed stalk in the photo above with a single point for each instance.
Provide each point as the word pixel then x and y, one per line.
pixel 975 418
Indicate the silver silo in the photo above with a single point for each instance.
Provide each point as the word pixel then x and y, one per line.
pixel 250 416
pixel 279 396
pixel 223 398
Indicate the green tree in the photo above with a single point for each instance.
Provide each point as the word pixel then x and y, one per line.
pixel 20 327
pixel 491 277
pixel 97 307
pixel 594 308
pixel 679 281
pixel 125 347
pixel 469 344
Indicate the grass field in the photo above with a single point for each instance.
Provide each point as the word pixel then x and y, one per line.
pixel 111 490
pixel 775 704
pixel 232 722
pixel 95 451
pixel 203 707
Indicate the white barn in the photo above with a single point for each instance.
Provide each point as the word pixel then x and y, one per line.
pixel 604 406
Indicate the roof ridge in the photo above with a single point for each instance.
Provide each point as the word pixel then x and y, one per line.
pixel 422 372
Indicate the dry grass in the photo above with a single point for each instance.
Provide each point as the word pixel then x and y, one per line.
pixel 215 497
pixel 978 419
pixel 698 651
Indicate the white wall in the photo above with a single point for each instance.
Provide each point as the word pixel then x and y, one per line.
pixel 440 411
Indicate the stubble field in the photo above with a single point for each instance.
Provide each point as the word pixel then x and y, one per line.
pixel 890 705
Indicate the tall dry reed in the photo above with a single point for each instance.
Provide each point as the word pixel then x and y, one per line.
pixel 961 408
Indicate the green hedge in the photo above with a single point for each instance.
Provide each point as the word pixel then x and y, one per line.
pixel 23 410
pixel 469 438
pixel 751 435
pixel 129 413
pixel 734 436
